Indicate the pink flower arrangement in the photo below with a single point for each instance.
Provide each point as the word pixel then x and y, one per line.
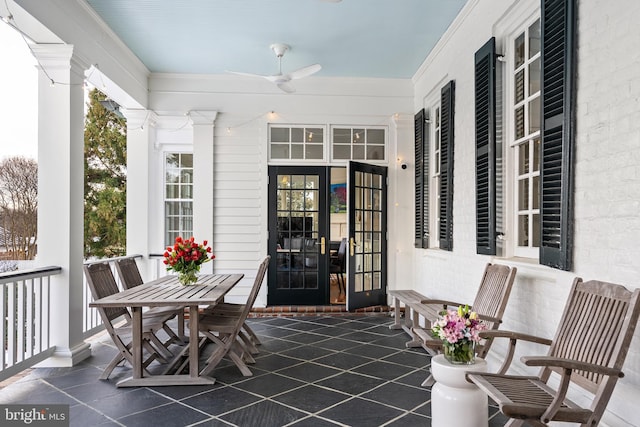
pixel 459 331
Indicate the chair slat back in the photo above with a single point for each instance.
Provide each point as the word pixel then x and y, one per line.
pixel 128 272
pixel 493 294
pixel 491 298
pixel 262 270
pixel 102 284
pixel 596 327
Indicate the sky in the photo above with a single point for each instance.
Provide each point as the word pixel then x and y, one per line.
pixel 18 96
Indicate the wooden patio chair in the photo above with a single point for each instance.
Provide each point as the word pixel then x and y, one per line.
pixel 223 330
pixel 588 350
pixel 102 284
pixel 490 303
pixel 246 334
pixel 130 277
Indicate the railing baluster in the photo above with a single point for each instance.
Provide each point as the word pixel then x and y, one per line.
pixel 28 325
pixel 11 324
pixel 3 326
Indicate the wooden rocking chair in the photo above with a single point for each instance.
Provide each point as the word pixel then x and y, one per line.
pixel 589 350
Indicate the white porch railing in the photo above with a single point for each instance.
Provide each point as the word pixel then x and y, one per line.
pixel 25 310
pixel 24 318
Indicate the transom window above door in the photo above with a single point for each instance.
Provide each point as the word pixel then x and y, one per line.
pixel 307 142
pixel 363 143
pixel 296 143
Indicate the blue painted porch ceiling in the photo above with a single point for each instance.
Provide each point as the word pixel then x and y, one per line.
pixel 351 38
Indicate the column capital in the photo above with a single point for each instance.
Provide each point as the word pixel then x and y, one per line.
pixel 56 60
pixel 138 119
pixel 203 117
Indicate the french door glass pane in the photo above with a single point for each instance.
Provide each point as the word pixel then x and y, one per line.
pixel 297 231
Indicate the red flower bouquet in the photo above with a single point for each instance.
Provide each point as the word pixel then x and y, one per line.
pixel 185 258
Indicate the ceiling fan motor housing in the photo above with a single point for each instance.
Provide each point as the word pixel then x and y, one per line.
pixel 279 49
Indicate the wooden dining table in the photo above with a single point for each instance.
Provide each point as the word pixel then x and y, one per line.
pixel 210 289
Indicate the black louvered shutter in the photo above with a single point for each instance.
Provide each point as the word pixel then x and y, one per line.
pixel 485 85
pixel 447 109
pixel 558 117
pixel 422 182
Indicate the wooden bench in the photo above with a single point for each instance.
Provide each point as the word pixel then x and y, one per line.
pixel 406 298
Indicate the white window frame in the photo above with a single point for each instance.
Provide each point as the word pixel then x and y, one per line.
pixel 435 126
pixel 513 28
pixel 183 219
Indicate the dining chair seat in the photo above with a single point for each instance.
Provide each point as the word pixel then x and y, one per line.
pixel 247 334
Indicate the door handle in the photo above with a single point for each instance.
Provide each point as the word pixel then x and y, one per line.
pixel 352 244
pixel 322 242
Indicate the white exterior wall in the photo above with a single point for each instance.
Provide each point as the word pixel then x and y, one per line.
pixel 607 184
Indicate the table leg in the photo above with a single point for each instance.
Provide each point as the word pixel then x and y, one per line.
pixel 136 343
pixel 194 348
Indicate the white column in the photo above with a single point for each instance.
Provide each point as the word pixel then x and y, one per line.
pixel 203 139
pixel 61 195
pixel 140 137
pixel 400 205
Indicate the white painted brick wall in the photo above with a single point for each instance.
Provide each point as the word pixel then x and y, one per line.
pixel 607 178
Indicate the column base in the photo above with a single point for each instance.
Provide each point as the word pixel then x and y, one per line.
pixel 67 357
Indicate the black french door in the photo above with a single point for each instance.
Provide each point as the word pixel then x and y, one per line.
pixel 298 236
pixel 306 221
pixel 367 252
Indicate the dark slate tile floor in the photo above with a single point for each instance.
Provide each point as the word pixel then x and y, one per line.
pixel 311 371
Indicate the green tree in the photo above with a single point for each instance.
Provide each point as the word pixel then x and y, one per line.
pixel 105 160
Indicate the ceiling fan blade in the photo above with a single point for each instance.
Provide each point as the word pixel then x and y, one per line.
pixel 238 73
pixel 305 71
pixel 286 87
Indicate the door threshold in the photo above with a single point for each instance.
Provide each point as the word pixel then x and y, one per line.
pixel 318 310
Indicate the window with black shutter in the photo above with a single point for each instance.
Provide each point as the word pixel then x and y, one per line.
pixel 421 181
pixel 485 123
pixel 558 116
pixel 447 106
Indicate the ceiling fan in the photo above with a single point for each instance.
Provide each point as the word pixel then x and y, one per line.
pixel 283 80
